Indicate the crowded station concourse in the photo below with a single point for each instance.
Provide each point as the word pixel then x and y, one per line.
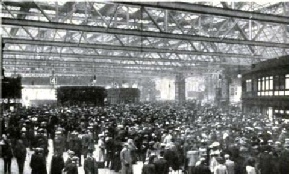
pixel 143 138
pixel 137 87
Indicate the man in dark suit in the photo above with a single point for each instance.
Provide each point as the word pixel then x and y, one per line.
pixel 20 154
pixel 149 168
pixel 59 142
pixel 90 165
pixel 171 156
pixel 284 159
pixel 266 161
pixel 71 168
pixel 57 163
pixel 161 164
pixel 202 168
pixel 109 145
pixel 76 146
pixel 38 162
pixel 7 153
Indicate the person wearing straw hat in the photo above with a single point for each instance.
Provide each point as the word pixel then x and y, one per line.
pixel 214 153
pixel 101 147
pixel 192 156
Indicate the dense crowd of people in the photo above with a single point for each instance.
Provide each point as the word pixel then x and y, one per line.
pixel 165 137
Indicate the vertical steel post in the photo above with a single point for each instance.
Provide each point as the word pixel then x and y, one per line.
pixel 284 28
pixel 166 20
pixel 1 78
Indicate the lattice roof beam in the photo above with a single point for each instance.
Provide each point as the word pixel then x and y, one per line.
pixel 203 9
pixel 14 31
pixel 85 57
pixel 101 73
pixel 225 5
pixel 122 48
pixel 54 25
pixel 90 64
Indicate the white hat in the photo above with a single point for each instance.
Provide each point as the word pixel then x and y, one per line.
pixel 70 152
pixel 215 144
pixel 167 146
pixel 192 152
pixel 58 132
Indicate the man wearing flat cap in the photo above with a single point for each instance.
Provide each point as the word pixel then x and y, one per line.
pixel 229 164
pixel 57 163
pixel 87 142
pixel 71 168
pixel 59 142
pixel 266 160
pixel 38 162
pixel 202 168
pixel 41 141
pixel 75 145
pixel 161 165
pixel 71 154
pixel 90 165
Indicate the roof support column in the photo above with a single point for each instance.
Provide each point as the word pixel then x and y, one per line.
pixel 222 96
pixel 180 88
pixel 166 20
pixel 285 12
pixel 1 78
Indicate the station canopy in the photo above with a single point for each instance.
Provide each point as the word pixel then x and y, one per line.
pixel 135 38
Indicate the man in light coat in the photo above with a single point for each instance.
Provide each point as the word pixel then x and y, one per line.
pixel 193 156
pixel 126 160
pixel 220 168
pixel 230 164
